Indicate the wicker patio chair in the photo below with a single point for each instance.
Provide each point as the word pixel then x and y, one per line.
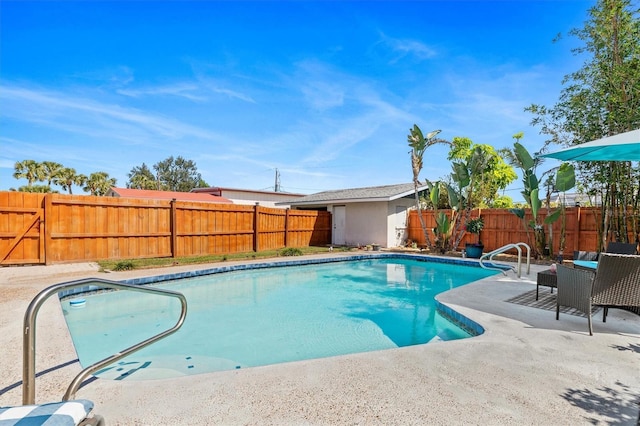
pixel 622 248
pixel 616 284
pixel 574 290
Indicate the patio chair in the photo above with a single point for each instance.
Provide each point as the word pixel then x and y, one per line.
pixel 574 290
pixel 622 248
pixel 615 284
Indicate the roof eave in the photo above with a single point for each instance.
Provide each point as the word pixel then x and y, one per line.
pixel 410 192
pixel 353 200
pixel 343 201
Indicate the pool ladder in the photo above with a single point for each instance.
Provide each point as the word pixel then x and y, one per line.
pixel 504 248
pixel 29 335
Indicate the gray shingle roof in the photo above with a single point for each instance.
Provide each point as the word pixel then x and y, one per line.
pixel 371 193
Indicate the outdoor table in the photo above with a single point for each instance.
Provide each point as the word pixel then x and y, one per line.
pixel 547 278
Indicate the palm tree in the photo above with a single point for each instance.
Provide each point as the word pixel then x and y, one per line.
pixel 41 189
pixel 50 169
pixel 419 144
pixel 99 183
pixel 67 177
pixel 30 170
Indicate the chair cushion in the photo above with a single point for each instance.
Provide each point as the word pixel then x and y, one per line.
pixel 54 414
pixel 585 255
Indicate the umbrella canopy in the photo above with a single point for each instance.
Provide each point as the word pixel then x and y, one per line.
pixel 621 147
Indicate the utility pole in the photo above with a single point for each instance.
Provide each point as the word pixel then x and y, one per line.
pixel 277 185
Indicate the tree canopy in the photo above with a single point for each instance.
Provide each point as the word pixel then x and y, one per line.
pixel 171 174
pixel 600 99
pixel 54 173
pixel 141 177
pixel 496 174
pixel 98 183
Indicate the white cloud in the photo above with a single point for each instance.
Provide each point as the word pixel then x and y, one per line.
pixel 6 164
pixel 323 95
pixel 398 49
pixel 84 116
pixel 117 76
pixel 230 93
pixel 183 90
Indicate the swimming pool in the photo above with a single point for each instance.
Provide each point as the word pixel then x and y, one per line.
pixel 265 314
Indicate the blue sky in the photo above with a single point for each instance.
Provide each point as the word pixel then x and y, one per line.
pixel 325 92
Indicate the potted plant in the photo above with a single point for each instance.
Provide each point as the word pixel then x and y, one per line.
pixel 474 226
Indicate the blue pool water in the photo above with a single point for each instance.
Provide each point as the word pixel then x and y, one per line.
pixel 267 316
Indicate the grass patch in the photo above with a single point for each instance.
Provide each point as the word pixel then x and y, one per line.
pixel 291 251
pixel 170 261
pixel 124 265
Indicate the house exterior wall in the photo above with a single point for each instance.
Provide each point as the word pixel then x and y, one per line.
pixel 382 223
pixel 264 199
pixel 397 221
pixel 365 223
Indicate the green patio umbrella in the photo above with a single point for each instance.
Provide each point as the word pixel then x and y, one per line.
pixel 621 147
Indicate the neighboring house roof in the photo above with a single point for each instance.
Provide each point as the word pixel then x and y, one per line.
pixel 166 195
pixel 575 198
pixel 358 195
pixel 217 190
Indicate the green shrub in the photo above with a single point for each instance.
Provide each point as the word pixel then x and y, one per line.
pixel 124 265
pixel 291 251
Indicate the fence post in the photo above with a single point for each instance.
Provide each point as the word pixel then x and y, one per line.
pixel 172 226
pixel 256 231
pixel 45 234
pixel 576 240
pixel 286 227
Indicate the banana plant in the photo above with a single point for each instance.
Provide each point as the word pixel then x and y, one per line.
pixel 442 230
pixel 565 181
pixel 466 176
pixel 530 193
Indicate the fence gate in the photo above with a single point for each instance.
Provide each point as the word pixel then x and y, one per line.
pixel 21 229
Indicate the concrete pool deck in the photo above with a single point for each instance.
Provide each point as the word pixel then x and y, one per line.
pixel 527 368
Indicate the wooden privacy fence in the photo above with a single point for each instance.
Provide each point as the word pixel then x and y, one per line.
pixel 502 227
pixel 58 228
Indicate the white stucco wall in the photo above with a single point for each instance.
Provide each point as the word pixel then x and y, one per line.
pixel 264 199
pixel 366 223
pixel 374 222
pixel 382 222
pixel 397 220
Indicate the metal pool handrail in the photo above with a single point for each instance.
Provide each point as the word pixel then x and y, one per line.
pixel 29 336
pixel 502 250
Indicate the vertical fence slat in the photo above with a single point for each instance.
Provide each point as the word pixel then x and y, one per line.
pixel 286 228
pixel 256 228
pixel 48 217
pixel 172 226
